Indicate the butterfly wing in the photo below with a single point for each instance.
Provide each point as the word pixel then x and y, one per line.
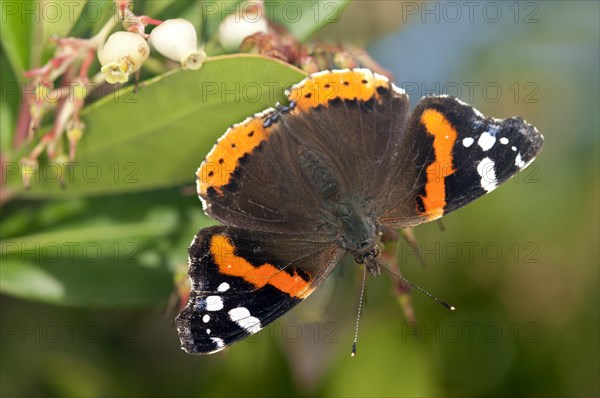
pixel 354 121
pixel 451 155
pixel 280 170
pixel 243 280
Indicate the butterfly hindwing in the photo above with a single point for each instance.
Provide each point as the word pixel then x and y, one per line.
pixel 243 280
pixel 453 155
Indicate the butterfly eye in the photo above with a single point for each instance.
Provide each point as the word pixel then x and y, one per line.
pixel 366 243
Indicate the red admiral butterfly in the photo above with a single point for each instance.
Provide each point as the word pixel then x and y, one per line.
pixel 300 185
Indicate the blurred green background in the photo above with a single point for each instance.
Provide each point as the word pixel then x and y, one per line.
pixel 521 265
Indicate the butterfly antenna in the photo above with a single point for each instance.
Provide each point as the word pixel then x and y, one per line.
pixel 360 301
pixel 442 302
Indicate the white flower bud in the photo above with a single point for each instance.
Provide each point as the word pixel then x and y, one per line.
pixel 236 27
pixel 122 54
pixel 176 39
pixel 193 60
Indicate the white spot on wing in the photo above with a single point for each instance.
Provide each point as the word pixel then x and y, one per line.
pixel 214 303
pixel 487 172
pixel 223 287
pixel 398 90
pixel 486 141
pixel 205 205
pixel 321 73
pixel 378 76
pixel 467 142
pixel 514 148
pixel 504 140
pixel 296 86
pixel 346 70
pixel 519 162
pixel 206 318
pixel 463 103
pixel 218 342
pixel 528 163
pixel 475 110
pixel 264 114
pixel 242 317
pixel 479 114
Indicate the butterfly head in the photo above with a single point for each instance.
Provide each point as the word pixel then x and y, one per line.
pixel 357 233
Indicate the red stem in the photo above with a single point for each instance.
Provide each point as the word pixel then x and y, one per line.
pixel 87 63
pixel 146 20
pixel 23 120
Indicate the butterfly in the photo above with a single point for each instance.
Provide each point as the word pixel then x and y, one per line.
pixel 299 186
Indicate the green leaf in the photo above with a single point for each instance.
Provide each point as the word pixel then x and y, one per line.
pixel 169 9
pixel 153 8
pixel 68 284
pixel 9 104
pixel 17 19
pixel 58 17
pixel 27 25
pixel 158 136
pixel 107 252
pixel 304 18
pixel 94 15
pixel 98 12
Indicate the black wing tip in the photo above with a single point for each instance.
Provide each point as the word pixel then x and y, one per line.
pixel 195 342
pixel 517 122
pixel 534 139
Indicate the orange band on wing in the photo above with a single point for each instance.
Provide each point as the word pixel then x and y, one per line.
pixel 444 137
pixel 320 88
pixel 223 253
pixel 317 89
pixel 221 162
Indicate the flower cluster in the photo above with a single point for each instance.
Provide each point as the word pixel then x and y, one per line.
pixel 120 54
pixel 126 51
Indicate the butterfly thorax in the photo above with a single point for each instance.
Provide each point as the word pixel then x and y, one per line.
pixel 356 231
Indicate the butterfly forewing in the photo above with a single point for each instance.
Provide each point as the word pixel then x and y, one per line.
pixel 452 155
